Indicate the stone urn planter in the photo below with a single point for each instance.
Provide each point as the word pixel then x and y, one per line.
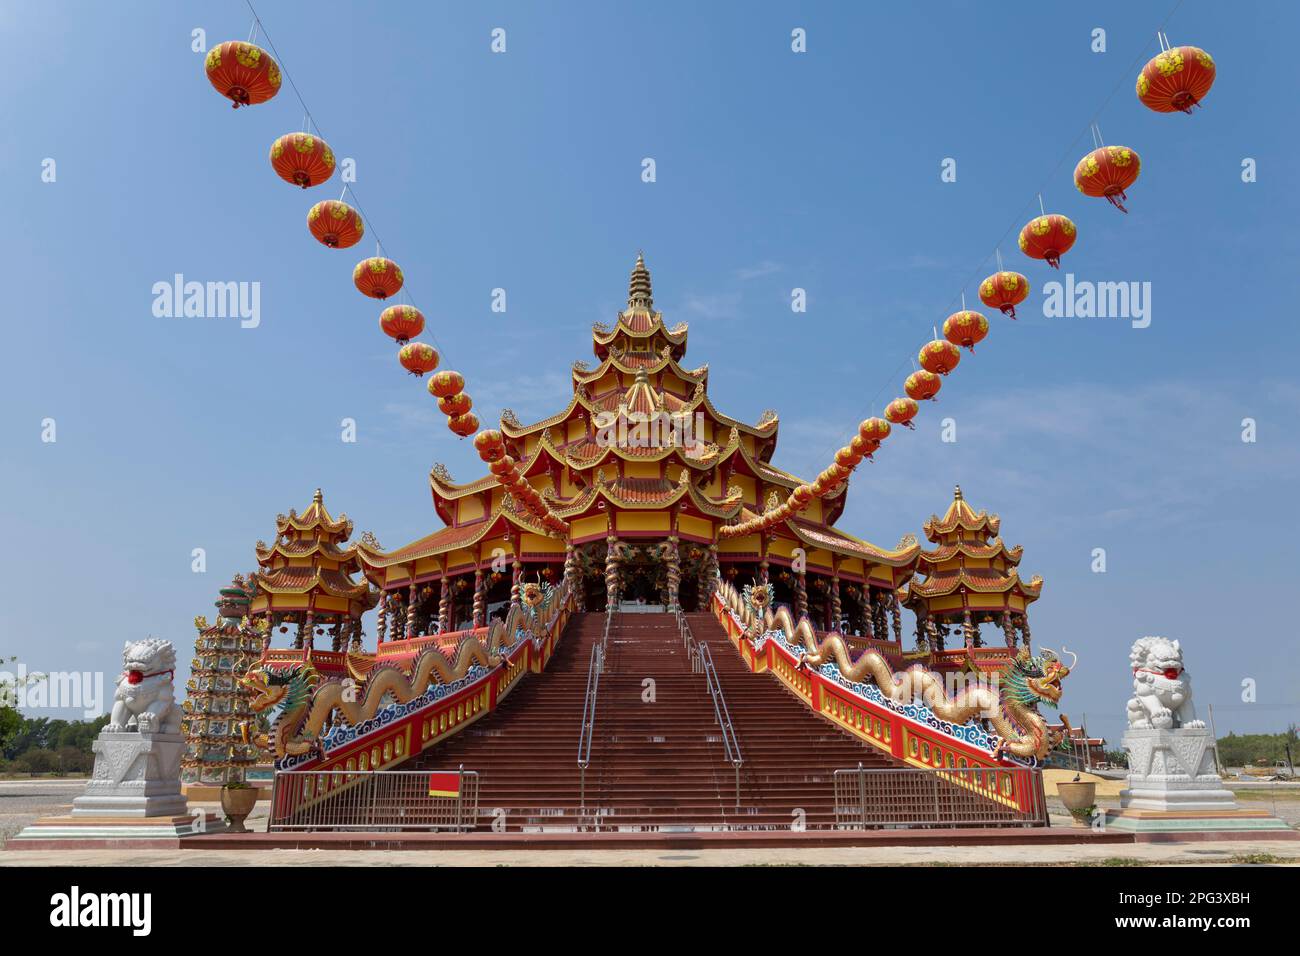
pixel 1080 799
pixel 238 800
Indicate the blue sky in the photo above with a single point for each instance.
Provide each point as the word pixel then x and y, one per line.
pixel 775 170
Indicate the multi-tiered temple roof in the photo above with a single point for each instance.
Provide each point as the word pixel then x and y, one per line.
pixel 639 451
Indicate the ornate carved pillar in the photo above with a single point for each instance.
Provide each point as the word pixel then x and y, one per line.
pixel 897 614
pixel 968 629
pixel 1009 630
pixel 298 636
pixel 837 610
pixel 708 577
pixel 480 598
pixel 410 609
pixel 355 634
pixel 444 604
pixel 1024 632
pixel 308 630
pixel 922 631
pixel 672 558
pixel 336 636
pixel 612 577
pixel 381 618
pixel 800 592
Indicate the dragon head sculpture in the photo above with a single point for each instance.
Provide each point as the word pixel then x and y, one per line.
pixel 287 685
pixel 1034 680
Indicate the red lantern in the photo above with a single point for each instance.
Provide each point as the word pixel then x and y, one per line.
pixel 965 328
pixel 446 383
pixel 453 405
pixel 939 356
pixel 901 411
pixel 489 443
pixel 243 73
pixel 848 458
pixel 1107 172
pixel 922 385
pixel 335 223
pixel 401 322
pixel 1176 79
pixel 302 159
pixel 1005 291
pixel 418 358
pixel 502 468
pixel 874 429
pixel 864 447
pixel 802 494
pixel 463 425
pixel 377 277
pixel 1048 237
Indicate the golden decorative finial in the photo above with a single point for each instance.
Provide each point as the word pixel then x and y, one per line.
pixel 638 288
pixel 318 497
pixel 956 493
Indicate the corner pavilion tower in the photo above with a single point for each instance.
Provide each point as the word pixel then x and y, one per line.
pixel 645 469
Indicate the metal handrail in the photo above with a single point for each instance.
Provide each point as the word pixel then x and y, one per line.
pixel 730 744
pixel 585 732
pixel 938 796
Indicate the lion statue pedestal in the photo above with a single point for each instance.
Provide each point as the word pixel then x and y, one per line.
pixel 1174 788
pixel 138 754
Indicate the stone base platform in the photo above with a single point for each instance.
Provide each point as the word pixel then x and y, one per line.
pixel 211 792
pixel 114 832
pixel 1180 825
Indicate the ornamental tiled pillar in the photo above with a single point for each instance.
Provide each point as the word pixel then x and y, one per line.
pixel 381 619
pixel 837 610
pixel 410 612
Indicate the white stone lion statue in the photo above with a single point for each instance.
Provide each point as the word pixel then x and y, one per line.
pixel 1162 691
pixel 145 700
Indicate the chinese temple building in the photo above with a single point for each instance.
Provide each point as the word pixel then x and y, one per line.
pixel 645 469
pixel 306 579
pixel 970 578
pixel 216 709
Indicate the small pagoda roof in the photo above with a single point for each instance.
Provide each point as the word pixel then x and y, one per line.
pixel 302 548
pixel 301 580
pixel 631 361
pixel 972 549
pixel 961 516
pixel 315 518
pixel 979 580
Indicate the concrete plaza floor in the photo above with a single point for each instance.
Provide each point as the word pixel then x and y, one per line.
pixel 23 801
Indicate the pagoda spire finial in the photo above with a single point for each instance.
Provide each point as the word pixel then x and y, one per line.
pixel 319 497
pixel 956 493
pixel 638 287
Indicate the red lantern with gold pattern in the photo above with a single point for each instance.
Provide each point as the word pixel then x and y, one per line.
pixel 336 224
pixel 446 383
pixel 302 159
pixel 243 73
pixel 939 357
pixel 1107 172
pixel 848 457
pixel 401 322
pixel 1048 238
pixel 864 447
pixel 922 385
pixel 802 494
pixel 1176 80
pixel 418 358
pixel 454 405
pixel 901 411
pixel 965 328
pixel 489 444
pixel 503 468
pixel 874 429
pixel 463 425
pixel 1005 291
pixel 377 277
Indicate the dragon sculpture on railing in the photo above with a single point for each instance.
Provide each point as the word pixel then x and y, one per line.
pixel 306 700
pixel 1011 708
